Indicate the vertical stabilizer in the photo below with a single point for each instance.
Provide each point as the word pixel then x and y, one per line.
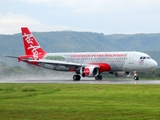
pixel 31 45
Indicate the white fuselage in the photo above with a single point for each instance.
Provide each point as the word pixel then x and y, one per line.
pixel 118 61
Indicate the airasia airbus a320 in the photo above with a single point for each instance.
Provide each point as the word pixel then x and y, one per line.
pixel 85 64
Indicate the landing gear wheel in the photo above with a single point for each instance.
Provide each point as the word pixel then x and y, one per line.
pixel 76 77
pixel 98 77
pixel 136 75
pixel 83 75
pixel 136 78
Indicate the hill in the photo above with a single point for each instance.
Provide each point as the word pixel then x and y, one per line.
pixel 70 41
pixel 137 42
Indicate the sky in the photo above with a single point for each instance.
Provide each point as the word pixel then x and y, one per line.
pixel 101 16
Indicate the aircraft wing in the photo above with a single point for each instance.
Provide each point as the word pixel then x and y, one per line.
pixel 57 62
pixel 63 63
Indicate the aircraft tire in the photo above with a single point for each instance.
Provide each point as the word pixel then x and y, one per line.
pixel 76 77
pixel 98 77
pixel 136 78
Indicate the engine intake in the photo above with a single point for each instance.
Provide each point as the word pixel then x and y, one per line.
pixel 89 71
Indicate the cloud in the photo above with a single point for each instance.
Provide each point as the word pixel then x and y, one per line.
pixel 11 23
pixel 106 16
pixel 99 5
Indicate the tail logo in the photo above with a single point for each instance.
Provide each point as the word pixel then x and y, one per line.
pixel 29 39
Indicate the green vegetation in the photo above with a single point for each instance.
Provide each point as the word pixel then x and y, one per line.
pixel 79 101
pixel 56 57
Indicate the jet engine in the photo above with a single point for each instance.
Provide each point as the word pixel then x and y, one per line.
pixel 89 71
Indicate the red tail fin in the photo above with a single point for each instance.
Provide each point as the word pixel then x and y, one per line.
pixel 31 45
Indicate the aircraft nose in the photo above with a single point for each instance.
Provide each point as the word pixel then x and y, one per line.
pixel 154 64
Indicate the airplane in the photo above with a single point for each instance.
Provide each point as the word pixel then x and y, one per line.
pixel 85 64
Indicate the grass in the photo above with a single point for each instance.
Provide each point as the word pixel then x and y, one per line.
pixel 79 102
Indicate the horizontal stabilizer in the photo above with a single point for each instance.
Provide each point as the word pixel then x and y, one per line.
pixel 26 59
pixel 11 56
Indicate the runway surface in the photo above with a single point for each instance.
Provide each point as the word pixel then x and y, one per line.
pixel 60 81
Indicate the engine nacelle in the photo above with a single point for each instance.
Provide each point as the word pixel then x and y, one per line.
pixel 89 71
pixel 121 73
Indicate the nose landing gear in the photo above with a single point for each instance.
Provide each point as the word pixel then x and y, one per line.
pixel 136 75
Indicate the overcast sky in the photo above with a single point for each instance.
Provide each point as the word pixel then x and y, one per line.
pixel 102 16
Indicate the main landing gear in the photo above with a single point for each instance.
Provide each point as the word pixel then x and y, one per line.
pixel 98 77
pixel 136 75
pixel 77 77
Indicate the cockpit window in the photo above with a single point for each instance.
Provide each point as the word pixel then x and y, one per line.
pixel 144 57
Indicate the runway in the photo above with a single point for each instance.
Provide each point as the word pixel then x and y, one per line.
pixel 89 81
